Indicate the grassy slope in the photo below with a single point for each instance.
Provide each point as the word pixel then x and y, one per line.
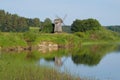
pixel 99 36
pixel 19 39
pixel 11 39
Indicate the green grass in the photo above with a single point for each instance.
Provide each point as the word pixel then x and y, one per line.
pixel 11 39
pixel 34 29
pixel 20 67
pixel 62 39
pixel 34 37
pixel 98 36
pixel 33 73
pixel 21 39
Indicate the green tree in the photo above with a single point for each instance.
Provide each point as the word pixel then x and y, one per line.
pixel 36 22
pixel 15 22
pixel 2 18
pixel 85 25
pixel 47 26
pixel 12 23
pixel 7 23
pixel 22 25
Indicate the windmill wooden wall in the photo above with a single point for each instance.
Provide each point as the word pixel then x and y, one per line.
pixel 58 25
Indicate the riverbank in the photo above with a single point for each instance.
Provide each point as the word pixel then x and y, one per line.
pixel 31 40
pixel 40 41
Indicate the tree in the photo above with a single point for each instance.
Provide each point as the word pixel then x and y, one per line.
pixel 36 22
pixel 22 25
pixel 15 22
pixel 47 26
pixel 2 18
pixel 7 23
pixel 12 22
pixel 85 25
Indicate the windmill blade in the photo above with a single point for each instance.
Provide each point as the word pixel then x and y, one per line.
pixel 64 17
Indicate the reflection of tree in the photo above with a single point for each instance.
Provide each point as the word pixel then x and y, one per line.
pixel 92 54
pixel 118 48
pixel 49 59
pixel 86 59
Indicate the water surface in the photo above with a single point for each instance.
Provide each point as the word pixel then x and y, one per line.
pixel 96 62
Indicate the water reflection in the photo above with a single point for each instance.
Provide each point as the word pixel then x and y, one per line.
pixel 86 59
pixel 88 55
pixel 83 60
pixel 95 59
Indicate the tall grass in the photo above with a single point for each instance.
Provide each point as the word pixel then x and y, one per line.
pixel 17 67
pixel 11 39
pixel 100 36
pixel 33 73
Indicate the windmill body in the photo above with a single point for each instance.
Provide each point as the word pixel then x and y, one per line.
pixel 58 25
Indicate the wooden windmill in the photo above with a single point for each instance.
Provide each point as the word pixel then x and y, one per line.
pixel 58 24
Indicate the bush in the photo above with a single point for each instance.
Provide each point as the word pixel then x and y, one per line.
pixel 85 25
pixel 80 34
pixel 30 36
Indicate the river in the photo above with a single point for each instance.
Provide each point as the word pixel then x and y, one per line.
pixel 93 63
pixel 89 62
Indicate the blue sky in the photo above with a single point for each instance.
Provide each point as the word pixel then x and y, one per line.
pixel 106 11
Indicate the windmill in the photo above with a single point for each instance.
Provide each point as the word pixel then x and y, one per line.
pixel 58 24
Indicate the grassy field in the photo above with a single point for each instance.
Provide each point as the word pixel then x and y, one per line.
pixel 21 39
pixel 98 36
pixel 35 37
pixel 9 39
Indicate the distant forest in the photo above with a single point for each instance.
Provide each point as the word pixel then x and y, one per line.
pixel 114 28
pixel 14 23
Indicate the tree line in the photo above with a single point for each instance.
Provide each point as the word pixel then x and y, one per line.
pixel 114 28
pixel 14 23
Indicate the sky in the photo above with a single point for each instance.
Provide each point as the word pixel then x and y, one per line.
pixel 107 12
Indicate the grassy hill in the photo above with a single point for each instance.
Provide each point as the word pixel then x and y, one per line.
pixel 102 35
pixel 8 39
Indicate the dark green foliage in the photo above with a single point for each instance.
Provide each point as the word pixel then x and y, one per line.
pixel 36 22
pixel 85 25
pixel 14 23
pixel 66 28
pixel 114 28
pixel 33 22
pixel 47 26
pixel 2 16
pixel 91 55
